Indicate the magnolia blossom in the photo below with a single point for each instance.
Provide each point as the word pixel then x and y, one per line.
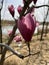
pixel 17 38
pixel 37 23
pixel 26 26
pixel 11 10
pixel 9 32
pixel 19 9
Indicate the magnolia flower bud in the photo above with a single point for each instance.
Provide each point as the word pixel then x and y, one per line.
pixel 17 38
pixel 19 9
pixel 37 23
pixel 9 32
pixel 11 10
pixel 26 26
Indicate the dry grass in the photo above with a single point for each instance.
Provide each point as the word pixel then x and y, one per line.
pixel 36 45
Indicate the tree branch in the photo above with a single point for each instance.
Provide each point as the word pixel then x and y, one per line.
pixel 12 35
pixel 34 6
pixel 15 27
pixel 32 54
pixel 14 52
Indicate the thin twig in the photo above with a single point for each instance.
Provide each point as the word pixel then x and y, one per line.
pixel 14 52
pixel 44 24
pixel 34 6
pixel 32 54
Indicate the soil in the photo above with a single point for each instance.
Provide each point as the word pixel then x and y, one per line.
pixel 41 58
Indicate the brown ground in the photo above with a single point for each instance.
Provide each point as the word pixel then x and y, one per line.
pixel 36 45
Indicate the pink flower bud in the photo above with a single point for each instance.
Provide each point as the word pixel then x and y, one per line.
pixel 17 38
pixel 26 26
pixel 11 10
pixel 37 23
pixel 19 9
pixel 9 32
